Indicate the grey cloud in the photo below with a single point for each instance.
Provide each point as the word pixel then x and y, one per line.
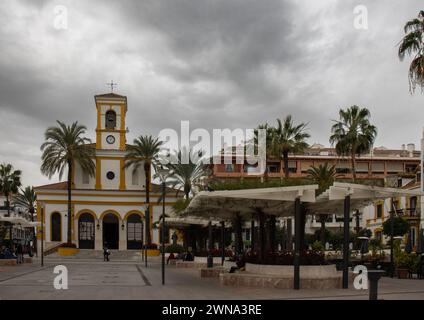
pixel 216 63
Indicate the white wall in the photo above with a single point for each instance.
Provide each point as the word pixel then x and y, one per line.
pixel 115 167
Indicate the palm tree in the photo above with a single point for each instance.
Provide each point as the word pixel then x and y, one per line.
pixel 353 134
pixel 144 153
pixel 323 175
pixel 63 147
pixel 288 138
pixel 269 134
pixel 26 198
pixel 10 181
pixel 412 44
pixel 187 176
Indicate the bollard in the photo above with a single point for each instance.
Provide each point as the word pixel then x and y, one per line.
pixel 373 277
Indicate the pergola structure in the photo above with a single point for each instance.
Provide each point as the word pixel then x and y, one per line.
pixel 297 201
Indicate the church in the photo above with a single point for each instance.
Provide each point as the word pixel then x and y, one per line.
pixel 109 207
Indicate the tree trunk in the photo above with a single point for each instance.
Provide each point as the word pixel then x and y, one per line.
pixel 289 235
pixel 353 159
pixel 7 204
pixel 147 213
pixel 238 234
pixel 322 233
pixel 69 235
pixel 272 230
pixel 286 164
pixel 31 211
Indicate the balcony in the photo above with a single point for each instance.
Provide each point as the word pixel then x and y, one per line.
pixel 410 213
pixel 332 221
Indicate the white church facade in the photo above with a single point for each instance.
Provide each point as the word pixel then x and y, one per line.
pixel 110 206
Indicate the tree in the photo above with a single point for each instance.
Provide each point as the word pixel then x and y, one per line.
pixel 144 153
pixel 187 176
pixel 323 175
pixel 353 134
pixel 65 146
pixel 400 227
pixel 288 137
pixel 26 198
pixel 412 44
pixel 10 181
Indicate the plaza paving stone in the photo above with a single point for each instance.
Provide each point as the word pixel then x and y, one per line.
pixel 98 280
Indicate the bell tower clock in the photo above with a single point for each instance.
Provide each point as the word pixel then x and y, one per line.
pixel 111 130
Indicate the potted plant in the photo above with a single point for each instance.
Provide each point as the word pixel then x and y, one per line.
pixel 403 265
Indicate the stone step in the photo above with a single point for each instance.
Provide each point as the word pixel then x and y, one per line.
pixel 98 254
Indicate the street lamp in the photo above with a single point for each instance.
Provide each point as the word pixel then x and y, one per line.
pixel 163 175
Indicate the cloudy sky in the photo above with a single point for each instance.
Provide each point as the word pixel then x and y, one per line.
pixel 217 63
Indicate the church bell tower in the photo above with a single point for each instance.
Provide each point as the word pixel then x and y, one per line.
pixel 111 128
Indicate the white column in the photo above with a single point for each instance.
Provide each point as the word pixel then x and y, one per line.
pixel 98 243
pixel 122 235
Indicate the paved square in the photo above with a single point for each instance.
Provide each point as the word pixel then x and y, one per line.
pixel 98 280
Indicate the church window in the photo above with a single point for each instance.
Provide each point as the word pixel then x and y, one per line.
pixel 110 119
pixel 110 175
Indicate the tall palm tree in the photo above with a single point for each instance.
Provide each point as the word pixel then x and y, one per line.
pixel 287 138
pixel 353 134
pixel 26 198
pixel 144 153
pixel 187 176
pixel 269 134
pixel 63 147
pixel 10 181
pixel 412 44
pixel 323 175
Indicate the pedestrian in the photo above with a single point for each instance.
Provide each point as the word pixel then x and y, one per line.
pixel 20 253
pixel 106 253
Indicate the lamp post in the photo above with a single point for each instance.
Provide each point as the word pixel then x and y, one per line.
pixel 163 174
pixel 42 236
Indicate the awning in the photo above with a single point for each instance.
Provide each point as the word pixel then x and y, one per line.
pixel 224 205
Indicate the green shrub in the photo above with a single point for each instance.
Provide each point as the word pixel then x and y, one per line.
pixel 318 246
pixel 174 248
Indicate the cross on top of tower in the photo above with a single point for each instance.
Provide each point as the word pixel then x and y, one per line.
pixel 112 85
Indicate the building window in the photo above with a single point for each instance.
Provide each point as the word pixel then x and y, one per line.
pixel 379 211
pixel 229 168
pixel 135 178
pixel 378 236
pixel 110 175
pixel 110 119
pixel 413 237
pixel 273 168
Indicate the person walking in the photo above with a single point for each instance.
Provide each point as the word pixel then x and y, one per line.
pixel 20 253
pixel 106 253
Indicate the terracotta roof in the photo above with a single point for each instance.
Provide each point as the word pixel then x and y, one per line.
pixel 53 186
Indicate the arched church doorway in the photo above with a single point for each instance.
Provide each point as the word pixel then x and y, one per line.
pixel 134 232
pixel 111 231
pixel 86 231
pixel 56 235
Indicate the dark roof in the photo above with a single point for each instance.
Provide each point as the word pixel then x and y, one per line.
pixel 111 95
pixel 156 188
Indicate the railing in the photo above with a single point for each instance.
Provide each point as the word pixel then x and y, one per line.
pixel 409 212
